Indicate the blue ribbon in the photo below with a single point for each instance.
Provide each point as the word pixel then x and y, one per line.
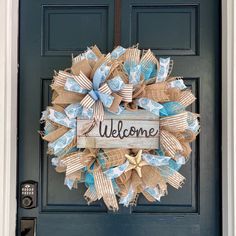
pixel 61 143
pixel 154 192
pixel 117 52
pixel 115 84
pixel 73 86
pixel 58 146
pixel 149 105
pixel 100 75
pixel 152 160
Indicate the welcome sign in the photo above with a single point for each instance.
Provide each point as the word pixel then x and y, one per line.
pixel 138 129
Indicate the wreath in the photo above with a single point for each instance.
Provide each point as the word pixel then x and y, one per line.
pixel 127 79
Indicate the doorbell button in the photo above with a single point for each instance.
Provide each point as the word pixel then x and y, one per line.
pixel 27 202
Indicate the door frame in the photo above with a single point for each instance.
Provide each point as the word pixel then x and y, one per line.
pixel 9 20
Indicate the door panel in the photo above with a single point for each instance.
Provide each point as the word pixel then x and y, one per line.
pixel 50 31
pixel 154 26
pixel 187 31
pixel 71 28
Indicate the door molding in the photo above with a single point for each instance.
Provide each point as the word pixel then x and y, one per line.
pixel 229 117
pixel 8 116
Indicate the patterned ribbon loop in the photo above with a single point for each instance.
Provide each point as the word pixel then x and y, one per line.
pixel 58 120
pixel 98 113
pixel 83 81
pixel 73 163
pixel 105 190
pixel 149 105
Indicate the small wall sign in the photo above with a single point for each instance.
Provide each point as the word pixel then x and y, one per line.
pixel 138 129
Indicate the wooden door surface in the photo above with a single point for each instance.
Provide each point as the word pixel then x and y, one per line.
pixel 186 30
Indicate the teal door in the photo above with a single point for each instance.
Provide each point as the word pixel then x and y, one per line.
pixel 187 30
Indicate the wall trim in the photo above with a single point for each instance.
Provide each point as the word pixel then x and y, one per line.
pixel 228 117
pixel 8 116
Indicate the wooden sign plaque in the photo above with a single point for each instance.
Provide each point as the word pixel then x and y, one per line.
pixel 138 129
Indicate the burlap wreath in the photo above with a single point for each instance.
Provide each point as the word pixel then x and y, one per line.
pixel 125 79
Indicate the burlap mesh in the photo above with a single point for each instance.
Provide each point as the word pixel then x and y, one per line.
pixel 162 187
pixel 116 102
pixel 60 169
pixel 151 176
pixel 131 106
pixel 118 71
pixel 123 186
pixel 66 97
pixel 59 107
pixel 86 128
pixel 139 90
pixel 75 175
pixel 114 157
pixel 54 94
pixel 174 94
pixel 175 123
pixel 83 66
pixel 135 180
pixel 96 51
pixel 115 65
pixel 186 136
pixel 156 92
pixel 52 136
pixel 125 177
pixel 186 149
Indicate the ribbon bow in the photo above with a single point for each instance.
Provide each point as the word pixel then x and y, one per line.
pixel 86 163
pixel 98 93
